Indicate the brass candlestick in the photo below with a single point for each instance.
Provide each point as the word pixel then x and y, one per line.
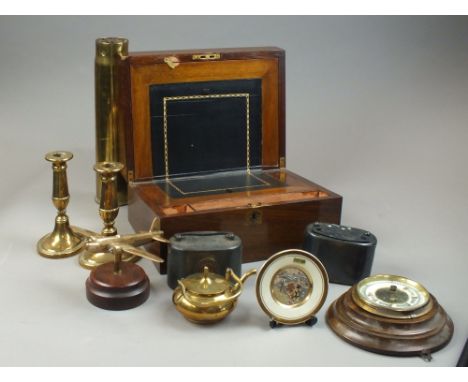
pixel 108 210
pixel 62 241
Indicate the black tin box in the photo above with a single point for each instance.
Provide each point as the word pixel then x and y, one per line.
pixel 189 252
pixel 347 253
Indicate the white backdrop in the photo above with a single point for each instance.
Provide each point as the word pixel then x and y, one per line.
pixel 376 111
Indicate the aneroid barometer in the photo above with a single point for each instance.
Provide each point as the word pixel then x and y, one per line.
pixel 391 315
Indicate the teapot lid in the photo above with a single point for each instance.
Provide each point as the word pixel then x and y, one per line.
pixel 206 283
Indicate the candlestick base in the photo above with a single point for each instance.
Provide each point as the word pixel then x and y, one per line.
pixel 61 242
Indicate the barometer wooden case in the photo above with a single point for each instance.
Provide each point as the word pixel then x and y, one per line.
pixel 205 149
pixel 391 315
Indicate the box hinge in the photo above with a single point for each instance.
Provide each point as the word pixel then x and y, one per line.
pixel 130 176
pixel 172 61
pixel 282 162
pixel 282 166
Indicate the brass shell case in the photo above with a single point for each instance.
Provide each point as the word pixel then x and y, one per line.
pixel 110 143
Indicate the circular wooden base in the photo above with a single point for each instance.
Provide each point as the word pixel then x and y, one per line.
pixel 125 290
pixel 408 336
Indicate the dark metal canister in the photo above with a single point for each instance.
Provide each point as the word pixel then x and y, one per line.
pixel 189 252
pixel 110 144
pixel 347 253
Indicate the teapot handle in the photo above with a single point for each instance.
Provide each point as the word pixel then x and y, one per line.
pixel 247 274
pixel 239 282
pixel 183 290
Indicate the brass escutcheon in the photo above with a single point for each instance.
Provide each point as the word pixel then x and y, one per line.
pixel 254 217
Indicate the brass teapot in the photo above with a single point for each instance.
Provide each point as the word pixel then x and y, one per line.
pixel 206 298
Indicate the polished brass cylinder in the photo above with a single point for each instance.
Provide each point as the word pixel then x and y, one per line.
pixel 110 141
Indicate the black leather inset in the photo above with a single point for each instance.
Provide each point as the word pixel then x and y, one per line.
pixel 206 134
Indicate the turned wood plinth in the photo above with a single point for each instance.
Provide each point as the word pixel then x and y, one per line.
pixel 126 289
pixel 421 332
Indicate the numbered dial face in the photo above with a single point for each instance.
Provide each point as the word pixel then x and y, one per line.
pixel 394 293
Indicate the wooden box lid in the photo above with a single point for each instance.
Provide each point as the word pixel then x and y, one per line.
pixel 219 78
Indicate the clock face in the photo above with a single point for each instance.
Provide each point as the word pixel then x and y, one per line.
pixel 393 293
pixel 292 286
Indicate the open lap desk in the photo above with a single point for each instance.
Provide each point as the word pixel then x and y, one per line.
pixel 205 149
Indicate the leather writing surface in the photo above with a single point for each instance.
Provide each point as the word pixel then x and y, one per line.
pixel 218 183
pixel 207 130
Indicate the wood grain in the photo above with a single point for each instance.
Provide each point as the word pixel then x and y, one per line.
pixel 139 71
pixel 265 227
pixel 122 291
pixel 398 337
pixel 266 220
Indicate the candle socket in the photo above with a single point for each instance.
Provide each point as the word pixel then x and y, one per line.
pixel 108 211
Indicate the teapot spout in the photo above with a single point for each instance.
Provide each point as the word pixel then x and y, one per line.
pixel 247 274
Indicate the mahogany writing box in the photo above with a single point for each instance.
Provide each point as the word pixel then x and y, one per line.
pixel 205 149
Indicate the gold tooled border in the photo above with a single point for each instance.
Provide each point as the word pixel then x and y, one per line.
pixel 204 96
pixel 265 183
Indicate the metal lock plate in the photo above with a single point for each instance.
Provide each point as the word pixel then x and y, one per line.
pixel 254 216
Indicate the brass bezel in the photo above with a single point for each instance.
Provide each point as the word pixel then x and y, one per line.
pixel 371 307
pixel 399 315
